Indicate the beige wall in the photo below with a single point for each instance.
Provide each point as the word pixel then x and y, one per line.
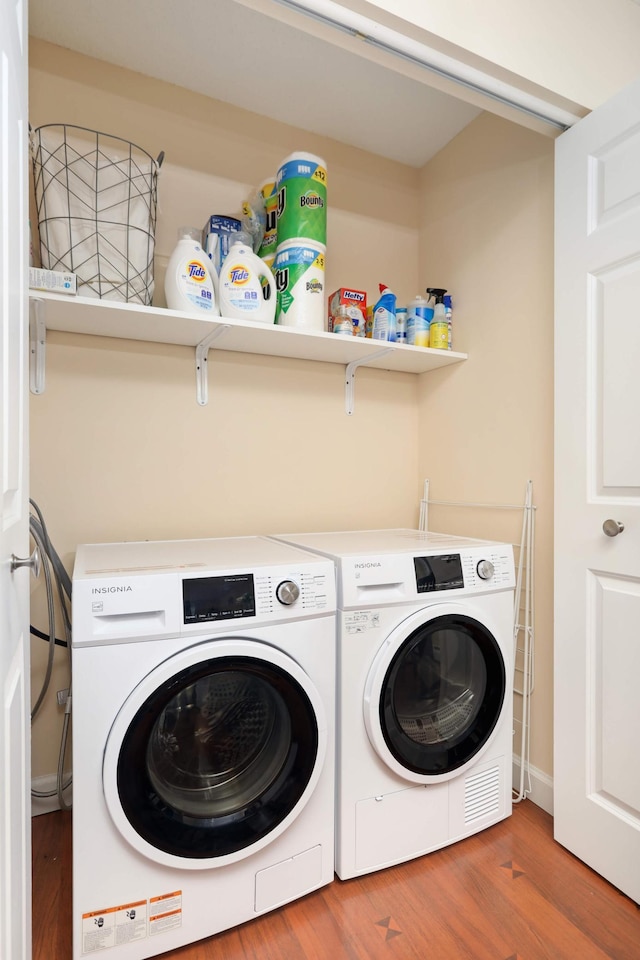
pixel 584 50
pixel 121 450
pixel 119 447
pixel 486 426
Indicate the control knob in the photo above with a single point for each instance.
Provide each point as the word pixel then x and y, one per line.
pixel 287 592
pixel 485 569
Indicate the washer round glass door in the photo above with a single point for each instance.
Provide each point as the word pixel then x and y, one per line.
pixel 435 693
pixel 214 754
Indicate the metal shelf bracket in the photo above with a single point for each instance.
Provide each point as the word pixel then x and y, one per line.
pixel 37 346
pixel 202 352
pixel 350 382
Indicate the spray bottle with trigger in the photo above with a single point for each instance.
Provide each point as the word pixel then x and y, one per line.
pixel 448 311
pixel 439 330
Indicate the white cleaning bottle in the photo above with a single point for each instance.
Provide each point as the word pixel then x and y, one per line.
pixel 188 284
pixel 246 286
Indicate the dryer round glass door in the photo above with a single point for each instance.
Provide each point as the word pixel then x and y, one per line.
pixel 214 754
pixel 435 694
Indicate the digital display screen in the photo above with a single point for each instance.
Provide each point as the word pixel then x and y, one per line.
pixel 218 598
pixel 438 573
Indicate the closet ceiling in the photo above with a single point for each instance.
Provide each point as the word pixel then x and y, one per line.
pixel 235 54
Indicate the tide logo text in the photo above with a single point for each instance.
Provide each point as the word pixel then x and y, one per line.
pixel 195 271
pixel 238 275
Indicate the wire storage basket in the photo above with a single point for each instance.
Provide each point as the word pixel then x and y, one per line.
pixel 96 199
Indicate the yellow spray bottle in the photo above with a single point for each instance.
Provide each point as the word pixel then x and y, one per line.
pixel 439 330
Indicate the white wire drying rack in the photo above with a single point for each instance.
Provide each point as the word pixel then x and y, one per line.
pixel 523 615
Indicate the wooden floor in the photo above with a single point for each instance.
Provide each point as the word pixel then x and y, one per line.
pixel 509 893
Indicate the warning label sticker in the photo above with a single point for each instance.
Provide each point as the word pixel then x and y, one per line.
pixel 127 922
pixel 361 620
pixel 115 925
pixel 165 913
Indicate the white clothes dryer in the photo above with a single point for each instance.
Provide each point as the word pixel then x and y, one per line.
pixel 203 738
pixel 425 688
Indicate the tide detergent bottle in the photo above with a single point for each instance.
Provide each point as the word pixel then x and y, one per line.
pixel 188 284
pixel 246 286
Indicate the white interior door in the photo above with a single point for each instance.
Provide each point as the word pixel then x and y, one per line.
pixel 597 450
pixel 15 808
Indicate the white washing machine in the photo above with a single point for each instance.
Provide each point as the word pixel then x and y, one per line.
pixel 203 738
pixel 425 689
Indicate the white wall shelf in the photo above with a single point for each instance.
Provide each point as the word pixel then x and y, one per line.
pixel 105 318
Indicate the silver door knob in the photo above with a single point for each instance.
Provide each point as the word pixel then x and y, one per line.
pixel 33 562
pixel 612 527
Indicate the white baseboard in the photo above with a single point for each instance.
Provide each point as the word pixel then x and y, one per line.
pixel 541 790
pixel 541 785
pixel 40 805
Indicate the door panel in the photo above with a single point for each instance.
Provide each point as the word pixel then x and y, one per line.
pixel 615 170
pixel 618 385
pixel 15 801
pixel 597 451
pixel 616 705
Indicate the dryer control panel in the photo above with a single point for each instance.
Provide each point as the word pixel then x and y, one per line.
pixel 388 578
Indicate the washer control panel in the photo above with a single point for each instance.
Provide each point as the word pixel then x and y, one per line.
pixel 148 590
pixel 129 606
pixel 258 594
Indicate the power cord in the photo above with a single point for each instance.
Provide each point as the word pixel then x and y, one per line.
pixel 45 636
pixel 53 571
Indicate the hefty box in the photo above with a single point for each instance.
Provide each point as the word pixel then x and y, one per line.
pixel 356 303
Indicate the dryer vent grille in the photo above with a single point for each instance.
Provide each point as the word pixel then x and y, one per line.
pixel 482 794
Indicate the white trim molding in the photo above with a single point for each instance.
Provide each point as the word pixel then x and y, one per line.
pixel 541 786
